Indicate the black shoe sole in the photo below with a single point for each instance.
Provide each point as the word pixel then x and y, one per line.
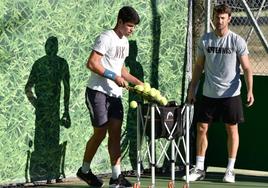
pixel 92 186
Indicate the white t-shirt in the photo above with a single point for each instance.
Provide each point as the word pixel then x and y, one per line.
pixel 114 51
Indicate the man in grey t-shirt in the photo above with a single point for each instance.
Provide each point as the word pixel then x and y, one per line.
pixel 220 54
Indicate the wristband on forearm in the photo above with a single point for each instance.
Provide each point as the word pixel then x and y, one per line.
pixel 109 74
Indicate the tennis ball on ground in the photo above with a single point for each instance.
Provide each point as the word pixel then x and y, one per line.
pixel 133 104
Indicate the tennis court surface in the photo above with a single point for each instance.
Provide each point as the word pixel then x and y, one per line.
pixel 244 178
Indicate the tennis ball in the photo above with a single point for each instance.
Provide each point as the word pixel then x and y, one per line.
pixel 133 104
pixel 163 101
pixel 152 92
pixel 139 88
pixel 147 87
pixel 158 96
pixel 157 92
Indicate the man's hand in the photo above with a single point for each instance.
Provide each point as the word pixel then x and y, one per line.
pixel 191 96
pixel 120 81
pixel 250 99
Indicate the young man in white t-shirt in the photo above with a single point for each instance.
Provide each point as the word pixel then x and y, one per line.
pixel 220 54
pixel 103 95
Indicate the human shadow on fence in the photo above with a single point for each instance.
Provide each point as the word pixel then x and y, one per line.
pixel 156 34
pixel 129 144
pixel 45 161
pixel 130 134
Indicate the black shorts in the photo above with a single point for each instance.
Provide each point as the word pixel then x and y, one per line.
pixel 228 110
pixel 103 107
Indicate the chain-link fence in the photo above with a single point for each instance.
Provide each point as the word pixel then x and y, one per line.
pixel 249 20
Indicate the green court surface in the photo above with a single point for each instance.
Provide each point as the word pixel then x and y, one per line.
pixel 244 179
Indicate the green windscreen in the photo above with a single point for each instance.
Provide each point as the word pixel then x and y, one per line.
pixel 33 144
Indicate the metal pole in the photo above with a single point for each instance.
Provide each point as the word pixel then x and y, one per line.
pixel 187 144
pixel 153 144
pixel 173 161
pixel 189 65
pixel 208 15
pixel 189 71
pixel 138 144
pixel 255 24
pixel 257 17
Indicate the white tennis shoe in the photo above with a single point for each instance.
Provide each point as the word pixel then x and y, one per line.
pixel 229 176
pixel 195 174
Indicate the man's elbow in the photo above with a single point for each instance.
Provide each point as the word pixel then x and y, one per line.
pixel 247 70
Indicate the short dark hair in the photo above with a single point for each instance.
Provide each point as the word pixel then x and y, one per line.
pixel 128 14
pixel 222 9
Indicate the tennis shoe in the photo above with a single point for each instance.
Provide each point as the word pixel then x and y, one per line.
pixel 89 178
pixel 120 182
pixel 195 174
pixel 229 176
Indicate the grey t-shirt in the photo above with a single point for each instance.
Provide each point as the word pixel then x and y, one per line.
pixel 222 66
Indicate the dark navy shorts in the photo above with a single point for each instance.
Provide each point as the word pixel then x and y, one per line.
pixel 227 110
pixel 103 107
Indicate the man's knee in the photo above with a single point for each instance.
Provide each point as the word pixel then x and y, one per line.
pixel 202 128
pixel 232 129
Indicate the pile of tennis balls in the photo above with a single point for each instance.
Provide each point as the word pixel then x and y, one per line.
pixel 149 94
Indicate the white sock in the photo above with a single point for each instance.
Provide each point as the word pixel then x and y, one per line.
pixel 200 161
pixel 231 163
pixel 116 171
pixel 85 167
